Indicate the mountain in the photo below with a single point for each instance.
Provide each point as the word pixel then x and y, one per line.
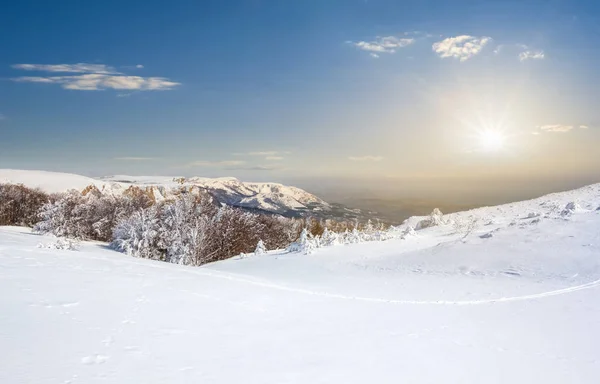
pixel 266 197
pixel 505 294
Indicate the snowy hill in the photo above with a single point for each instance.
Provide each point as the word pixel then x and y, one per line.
pixel 269 197
pixel 493 295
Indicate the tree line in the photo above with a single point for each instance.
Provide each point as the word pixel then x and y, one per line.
pixel 189 228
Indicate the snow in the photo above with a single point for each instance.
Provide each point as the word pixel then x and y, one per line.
pixel 49 182
pixel 439 306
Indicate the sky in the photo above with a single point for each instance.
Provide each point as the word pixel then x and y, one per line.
pixel 432 94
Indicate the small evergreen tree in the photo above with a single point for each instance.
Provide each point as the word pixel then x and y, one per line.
pixel 260 248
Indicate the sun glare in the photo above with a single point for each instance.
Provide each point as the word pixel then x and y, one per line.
pixel 491 141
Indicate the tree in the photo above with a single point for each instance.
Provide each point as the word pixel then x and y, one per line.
pixel 260 248
pixel 139 235
pixel 20 205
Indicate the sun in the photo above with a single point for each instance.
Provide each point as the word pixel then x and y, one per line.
pixel 491 141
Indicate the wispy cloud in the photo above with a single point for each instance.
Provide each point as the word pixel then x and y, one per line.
pixel 556 128
pixel 584 127
pixel 138 66
pixel 131 158
pixel 96 82
pixel 274 158
pixel 254 168
pixel 94 77
pixel 68 68
pixel 387 44
pixel 460 47
pixel 532 55
pixel 365 158
pixel 262 153
pixel 222 163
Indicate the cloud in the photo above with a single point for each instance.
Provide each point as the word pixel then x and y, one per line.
pixel 584 127
pixel 374 55
pixel 532 55
pixel 388 44
pixel 460 47
pixel 365 158
pixel 556 128
pixel 139 66
pixel 223 163
pixel 68 68
pixel 93 77
pixel 262 153
pixel 96 82
pixel 255 168
pixel 134 158
pixel 274 158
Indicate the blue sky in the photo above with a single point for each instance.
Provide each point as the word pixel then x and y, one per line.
pixel 282 89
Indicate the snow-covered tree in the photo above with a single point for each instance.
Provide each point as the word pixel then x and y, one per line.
pixel 305 244
pixel 329 238
pixel 435 218
pixel 260 248
pixel 139 235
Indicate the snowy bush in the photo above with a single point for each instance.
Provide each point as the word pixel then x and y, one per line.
pixel 63 244
pixel 435 218
pixel 464 225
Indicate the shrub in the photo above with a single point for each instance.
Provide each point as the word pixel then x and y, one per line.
pixel 20 205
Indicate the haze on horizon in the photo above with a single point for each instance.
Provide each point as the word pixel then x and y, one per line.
pixel 467 102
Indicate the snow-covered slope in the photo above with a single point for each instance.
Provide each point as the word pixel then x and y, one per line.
pixel 49 182
pixel 450 304
pixel 271 197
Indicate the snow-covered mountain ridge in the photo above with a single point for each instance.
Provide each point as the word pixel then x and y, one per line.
pixel 269 197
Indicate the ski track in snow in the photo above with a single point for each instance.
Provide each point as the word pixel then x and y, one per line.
pixel 266 284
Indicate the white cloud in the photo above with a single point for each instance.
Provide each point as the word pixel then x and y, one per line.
pixel 93 77
pixel 130 158
pixel 460 47
pixel 532 55
pixel 139 66
pixel 274 158
pixel 584 127
pixel 365 158
pixel 95 82
pixel 223 163
pixel 374 55
pixel 556 128
pixel 387 44
pixel 68 68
